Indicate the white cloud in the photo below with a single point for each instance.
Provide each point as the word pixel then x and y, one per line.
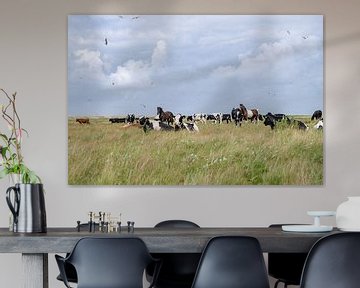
pixel 88 64
pixel 269 55
pixel 132 74
pixel 159 55
pixel 138 73
pixel 91 59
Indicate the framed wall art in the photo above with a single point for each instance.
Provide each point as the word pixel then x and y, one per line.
pixel 195 100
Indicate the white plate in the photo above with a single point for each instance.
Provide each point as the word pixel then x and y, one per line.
pixel 306 228
pixel 321 213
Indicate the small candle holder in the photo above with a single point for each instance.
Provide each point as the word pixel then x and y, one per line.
pixel 318 214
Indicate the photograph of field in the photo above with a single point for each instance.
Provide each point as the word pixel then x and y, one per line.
pixel 195 100
pixel 105 154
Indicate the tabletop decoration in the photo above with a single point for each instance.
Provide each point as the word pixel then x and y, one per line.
pixel 25 197
pixel 12 160
pixel 315 227
pixel 348 214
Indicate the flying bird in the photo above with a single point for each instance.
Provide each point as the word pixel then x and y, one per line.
pixel 135 17
pixel 106 41
pixel 288 32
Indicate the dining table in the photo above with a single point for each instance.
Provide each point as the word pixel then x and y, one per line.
pixel 35 247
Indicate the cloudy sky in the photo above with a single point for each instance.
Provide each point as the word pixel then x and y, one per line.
pixel 121 64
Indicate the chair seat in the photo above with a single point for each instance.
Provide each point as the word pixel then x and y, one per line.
pixel 177 270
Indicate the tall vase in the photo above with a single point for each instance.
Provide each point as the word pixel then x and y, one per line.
pixel 27 205
pixel 348 214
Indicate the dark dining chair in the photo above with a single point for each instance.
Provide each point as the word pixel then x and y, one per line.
pixel 286 267
pixel 232 262
pixel 178 269
pixel 333 262
pixel 69 269
pixel 108 263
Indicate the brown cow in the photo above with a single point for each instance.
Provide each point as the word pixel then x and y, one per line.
pixel 83 120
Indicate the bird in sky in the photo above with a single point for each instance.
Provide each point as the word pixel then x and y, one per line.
pixel 135 17
pixel 106 41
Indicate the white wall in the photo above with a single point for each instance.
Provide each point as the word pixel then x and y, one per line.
pixel 33 62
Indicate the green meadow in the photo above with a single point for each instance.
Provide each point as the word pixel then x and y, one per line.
pixel 102 153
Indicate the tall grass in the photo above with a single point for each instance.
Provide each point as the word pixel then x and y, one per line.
pixel 105 154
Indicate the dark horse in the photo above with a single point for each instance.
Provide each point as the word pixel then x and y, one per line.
pixel 165 116
pixel 249 114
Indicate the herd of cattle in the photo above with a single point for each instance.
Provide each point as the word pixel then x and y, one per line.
pixel 167 121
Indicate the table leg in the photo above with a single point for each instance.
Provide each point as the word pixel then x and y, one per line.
pixel 35 270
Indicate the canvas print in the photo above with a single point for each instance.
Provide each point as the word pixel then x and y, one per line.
pixel 195 100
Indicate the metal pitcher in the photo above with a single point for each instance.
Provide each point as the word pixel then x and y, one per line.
pixel 27 207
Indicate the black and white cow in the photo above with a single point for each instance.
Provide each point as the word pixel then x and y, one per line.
pixel 277 117
pixel 237 116
pixel 130 118
pixel 301 125
pixel 271 119
pixel 117 120
pixel 201 117
pixel 215 117
pixel 148 124
pixel 298 124
pixel 316 115
pixel 226 117
pixel 319 125
pixel 180 124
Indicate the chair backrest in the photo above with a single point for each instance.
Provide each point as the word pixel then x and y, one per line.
pixel 176 224
pixel 232 262
pixel 333 262
pixel 110 262
pixel 286 267
pixel 178 269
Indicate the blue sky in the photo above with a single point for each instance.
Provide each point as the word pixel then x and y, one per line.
pixel 121 64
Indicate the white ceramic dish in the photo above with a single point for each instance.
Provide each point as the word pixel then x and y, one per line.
pixel 306 228
pixel 350 229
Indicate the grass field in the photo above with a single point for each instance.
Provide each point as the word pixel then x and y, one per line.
pixel 105 154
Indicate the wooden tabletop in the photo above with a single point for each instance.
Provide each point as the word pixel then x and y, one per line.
pixel 158 240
